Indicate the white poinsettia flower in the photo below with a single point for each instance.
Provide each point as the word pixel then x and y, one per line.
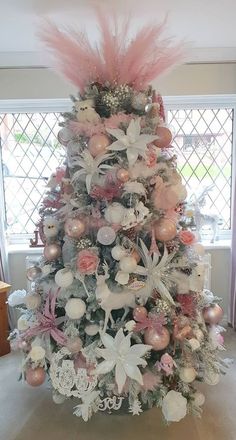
pixel 90 166
pixel 174 406
pixel 132 141
pixel 119 354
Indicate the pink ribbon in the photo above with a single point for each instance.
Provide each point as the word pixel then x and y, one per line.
pixel 47 321
pixel 152 321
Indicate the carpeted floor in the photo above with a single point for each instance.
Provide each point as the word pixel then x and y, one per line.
pixel 30 414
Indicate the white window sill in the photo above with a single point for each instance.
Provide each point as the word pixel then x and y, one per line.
pixel 25 249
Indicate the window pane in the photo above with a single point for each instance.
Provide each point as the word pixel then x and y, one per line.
pixel 30 153
pixel 203 143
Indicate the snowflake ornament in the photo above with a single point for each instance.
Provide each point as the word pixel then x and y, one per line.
pixel 135 408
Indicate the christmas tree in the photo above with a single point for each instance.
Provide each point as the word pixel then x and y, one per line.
pixel 117 315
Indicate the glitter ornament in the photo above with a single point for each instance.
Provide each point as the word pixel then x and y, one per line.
pixel 213 314
pixel 37 353
pixel 122 175
pixel 128 264
pixel 32 302
pixel 74 345
pixel 140 313
pixel 84 243
pixel 33 273
pixel 118 252
pixel 114 213
pixel 75 308
pixel 64 277
pixel 58 398
pixel 106 235
pixel 35 376
pixel 64 136
pixel 52 251
pixel 164 137
pixel 157 340
pixel 187 374
pixel 199 398
pixel 98 144
pixel 74 227
pixel 165 229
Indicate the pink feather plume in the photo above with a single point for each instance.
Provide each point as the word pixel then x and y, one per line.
pixel 116 59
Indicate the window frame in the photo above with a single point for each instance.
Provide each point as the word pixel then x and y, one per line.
pixel 61 105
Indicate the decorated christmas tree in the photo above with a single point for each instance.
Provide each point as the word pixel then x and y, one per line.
pixel 117 316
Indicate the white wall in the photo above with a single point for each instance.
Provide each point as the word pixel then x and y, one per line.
pixel 185 80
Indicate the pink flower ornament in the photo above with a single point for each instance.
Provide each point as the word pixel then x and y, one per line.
pixel 87 261
pixel 187 237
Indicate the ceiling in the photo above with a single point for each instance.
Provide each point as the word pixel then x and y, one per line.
pixel 209 25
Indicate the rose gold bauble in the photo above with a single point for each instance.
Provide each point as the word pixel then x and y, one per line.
pixel 213 314
pixel 165 229
pixel 98 144
pixel 139 313
pixel 164 137
pixel 74 227
pixel 74 345
pixel 35 376
pixel 33 272
pixel 52 251
pixel 123 175
pixel 158 341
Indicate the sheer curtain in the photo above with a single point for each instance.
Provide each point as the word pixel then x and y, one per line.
pixel 232 306
pixel 4 268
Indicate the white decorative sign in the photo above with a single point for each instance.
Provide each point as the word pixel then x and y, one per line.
pixel 66 380
pixel 111 404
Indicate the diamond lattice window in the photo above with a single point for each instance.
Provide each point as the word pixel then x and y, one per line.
pixel 203 141
pixel 30 153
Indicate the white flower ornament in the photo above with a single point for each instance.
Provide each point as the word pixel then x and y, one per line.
pixel 132 141
pixel 119 354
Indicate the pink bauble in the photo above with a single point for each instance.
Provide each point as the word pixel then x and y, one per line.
pixel 74 345
pixel 123 175
pixel 157 340
pixel 98 144
pixel 52 251
pixel 35 376
pixel 139 313
pixel 213 314
pixel 165 229
pixel 74 227
pixel 33 272
pixel 164 137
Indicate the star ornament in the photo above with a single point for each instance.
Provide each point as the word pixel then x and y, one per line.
pixel 132 141
pixel 119 354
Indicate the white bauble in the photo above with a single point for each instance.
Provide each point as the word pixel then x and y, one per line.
pixel 92 329
pixel 194 344
pixel 187 374
pixel 118 252
pixel 211 378
pixel 75 308
pixel 199 398
pixel 58 398
pixel 174 406
pixel 33 301
pixel 37 353
pixel 130 325
pixel 106 235
pixel 114 213
pixel 22 323
pixel 64 277
pixel 128 264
